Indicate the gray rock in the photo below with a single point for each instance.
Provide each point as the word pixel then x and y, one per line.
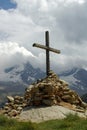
pixel 10 99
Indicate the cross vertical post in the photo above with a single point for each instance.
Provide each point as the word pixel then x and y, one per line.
pixel 47 53
pixel 47 48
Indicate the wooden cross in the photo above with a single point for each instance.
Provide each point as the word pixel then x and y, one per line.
pixel 48 49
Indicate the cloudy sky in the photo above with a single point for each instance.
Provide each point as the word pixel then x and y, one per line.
pixel 23 22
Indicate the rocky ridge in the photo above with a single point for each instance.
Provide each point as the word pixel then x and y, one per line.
pixel 50 91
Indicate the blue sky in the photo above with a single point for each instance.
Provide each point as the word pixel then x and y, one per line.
pixel 25 22
pixel 7 4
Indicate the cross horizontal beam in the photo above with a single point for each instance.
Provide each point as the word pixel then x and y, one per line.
pixel 46 48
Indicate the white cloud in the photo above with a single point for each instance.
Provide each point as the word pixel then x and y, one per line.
pixel 78 1
pixel 65 19
pixel 12 48
pixel 12 54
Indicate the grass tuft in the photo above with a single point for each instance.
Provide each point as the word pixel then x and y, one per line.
pixel 72 122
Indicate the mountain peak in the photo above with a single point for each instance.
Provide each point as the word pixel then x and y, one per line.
pixel 49 91
pixel 16 78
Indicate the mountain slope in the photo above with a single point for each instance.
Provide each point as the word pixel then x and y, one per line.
pixel 25 74
pixel 84 97
pixel 77 79
pixel 15 79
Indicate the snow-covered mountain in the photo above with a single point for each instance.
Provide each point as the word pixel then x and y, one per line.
pixel 77 79
pixel 15 79
pixel 18 77
pixel 24 73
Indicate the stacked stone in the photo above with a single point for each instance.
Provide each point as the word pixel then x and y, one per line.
pixel 51 91
pixel 14 106
pixel 46 92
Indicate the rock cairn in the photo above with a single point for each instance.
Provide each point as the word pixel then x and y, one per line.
pixel 46 92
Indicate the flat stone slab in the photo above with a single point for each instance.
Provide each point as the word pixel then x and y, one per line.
pixel 47 113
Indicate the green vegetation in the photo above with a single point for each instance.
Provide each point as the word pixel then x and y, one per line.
pixel 72 122
pixel 11 124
